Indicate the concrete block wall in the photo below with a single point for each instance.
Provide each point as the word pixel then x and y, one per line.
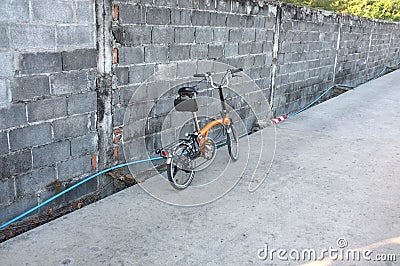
pixel 366 46
pixel 317 49
pixel 48 101
pixel 150 34
pixel 306 43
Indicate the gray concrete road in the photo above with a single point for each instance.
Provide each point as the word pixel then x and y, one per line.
pixel 334 188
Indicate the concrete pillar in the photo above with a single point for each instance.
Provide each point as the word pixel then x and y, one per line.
pixel 104 86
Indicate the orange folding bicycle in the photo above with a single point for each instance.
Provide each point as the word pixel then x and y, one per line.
pixel 181 155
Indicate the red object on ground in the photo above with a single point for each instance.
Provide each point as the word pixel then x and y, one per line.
pixel 279 119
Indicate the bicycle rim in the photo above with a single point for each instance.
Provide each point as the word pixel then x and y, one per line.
pixel 179 171
pixel 232 141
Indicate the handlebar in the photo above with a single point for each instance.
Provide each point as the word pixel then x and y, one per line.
pixel 232 71
pixel 208 76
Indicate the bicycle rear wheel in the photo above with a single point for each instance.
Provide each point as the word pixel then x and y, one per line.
pixel 232 141
pixel 179 170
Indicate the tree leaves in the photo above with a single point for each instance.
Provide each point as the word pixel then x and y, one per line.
pixel 379 9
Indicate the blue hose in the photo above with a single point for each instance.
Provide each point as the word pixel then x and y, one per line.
pixel 340 85
pixel 86 180
pixel 318 98
pixel 74 186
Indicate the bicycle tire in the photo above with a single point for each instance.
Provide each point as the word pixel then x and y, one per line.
pixel 181 155
pixel 232 142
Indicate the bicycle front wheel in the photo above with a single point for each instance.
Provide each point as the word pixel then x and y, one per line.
pixel 179 170
pixel 232 141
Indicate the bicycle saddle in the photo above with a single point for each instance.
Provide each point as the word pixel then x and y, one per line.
pixel 187 91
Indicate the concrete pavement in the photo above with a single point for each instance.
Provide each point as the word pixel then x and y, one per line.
pixel 334 184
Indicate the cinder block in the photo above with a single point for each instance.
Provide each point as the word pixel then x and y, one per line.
pixel 181 17
pixel 245 48
pixel 155 126
pixel 267 47
pixel 82 103
pixel 84 145
pixel 221 35
pixel 259 22
pixel 259 61
pixel 92 79
pixel 165 105
pixel 13 116
pixel 153 54
pixel 261 35
pixel 136 35
pixel 50 154
pixel 154 91
pixel 199 51
pixel 249 35
pixel 126 93
pixel 84 11
pixel 130 14
pixel 26 88
pixel 4 41
pixel 231 49
pixel 18 206
pixel 37 63
pixel 165 3
pixel 203 35
pixel 206 5
pixel 47 109
pixel 158 16
pixel 224 5
pixel 131 55
pixel 69 82
pixel 71 127
pixel 122 73
pixel 185 3
pixel 93 122
pixel 83 190
pixel 7 191
pixel 30 136
pixel 35 181
pixel 6 66
pixel 179 52
pixel 118 116
pixel 184 35
pixel 218 19
pixel 185 70
pixel 16 11
pixel 233 20
pixel 52 11
pixel 74 168
pixel 75 36
pixel 15 163
pixel 201 18
pixel 134 130
pixel 3 143
pixel 235 35
pixel 32 36
pixel 215 51
pixel 79 59
pixel 4 93
pixel 162 35
pixel 139 73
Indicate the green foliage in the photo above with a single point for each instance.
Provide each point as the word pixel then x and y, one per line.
pixel 380 9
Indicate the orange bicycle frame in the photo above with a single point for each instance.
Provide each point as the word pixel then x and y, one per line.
pixel 206 129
